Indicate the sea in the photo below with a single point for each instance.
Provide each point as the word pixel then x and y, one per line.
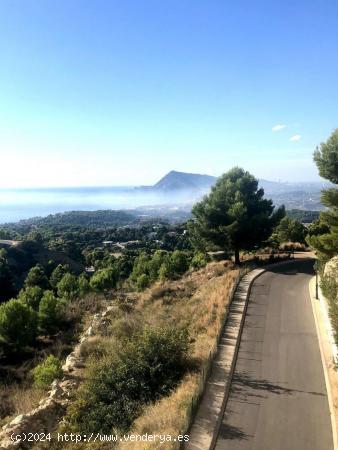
pixel 17 204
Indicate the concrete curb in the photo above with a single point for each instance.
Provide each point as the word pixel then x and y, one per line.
pixel 206 425
pixel 333 348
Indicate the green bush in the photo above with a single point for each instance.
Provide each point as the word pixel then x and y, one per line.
pixel 166 271
pixel 46 372
pixel 104 279
pixel 174 266
pixel 179 261
pixel 162 353
pixel 142 282
pixel 199 260
pixel 149 366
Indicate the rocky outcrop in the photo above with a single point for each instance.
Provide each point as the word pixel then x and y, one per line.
pixel 45 417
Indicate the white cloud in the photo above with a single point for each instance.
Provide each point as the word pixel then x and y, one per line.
pixel 278 127
pixel 296 137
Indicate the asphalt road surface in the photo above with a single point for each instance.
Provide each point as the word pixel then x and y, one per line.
pixel 278 398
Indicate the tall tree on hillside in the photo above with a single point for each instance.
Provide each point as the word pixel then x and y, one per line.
pixel 326 158
pixel 37 277
pixel 234 216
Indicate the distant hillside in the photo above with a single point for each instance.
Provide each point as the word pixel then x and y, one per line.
pixel 277 187
pixel 179 181
pixel 303 215
pixel 176 181
pixel 82 218
pixel 181 187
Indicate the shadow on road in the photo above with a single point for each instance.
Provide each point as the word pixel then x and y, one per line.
pixel 249 390
pixel 243 381
pixel 295 267
pixel 231 433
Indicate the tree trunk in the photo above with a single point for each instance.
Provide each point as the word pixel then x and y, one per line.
pixel 237 260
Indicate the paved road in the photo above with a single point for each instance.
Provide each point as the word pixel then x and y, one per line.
pixel 278 397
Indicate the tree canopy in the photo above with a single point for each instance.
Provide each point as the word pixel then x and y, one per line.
pixel 104 279
pixel 37 277
pixel 235 215
pixel 7 289
pixel 326 158
pixel 291 230
pixel 18 324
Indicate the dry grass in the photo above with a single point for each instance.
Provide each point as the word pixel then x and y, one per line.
pixel 165 417
pixel 24 400
pixel 292 246
pixel 17 399
pixel 199 302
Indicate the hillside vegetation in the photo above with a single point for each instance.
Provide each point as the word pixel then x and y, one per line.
pixel 181 317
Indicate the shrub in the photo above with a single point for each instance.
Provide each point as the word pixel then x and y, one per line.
pixel 162 353
pixel 150 365
pixel 292 246
pixel 142 282
pixel 199 260
pixel 46 372
pixel 179 261
pixel 166 271
pixel 104 279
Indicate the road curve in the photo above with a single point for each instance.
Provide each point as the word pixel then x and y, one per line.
pixel 278 398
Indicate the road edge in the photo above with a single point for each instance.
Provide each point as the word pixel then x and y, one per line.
pixel 227 383
pixel 324 363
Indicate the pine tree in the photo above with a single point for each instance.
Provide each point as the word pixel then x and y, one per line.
pixel 234 216
pixel 326 158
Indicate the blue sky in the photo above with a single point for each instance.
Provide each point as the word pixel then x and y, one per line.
pixel 120 92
